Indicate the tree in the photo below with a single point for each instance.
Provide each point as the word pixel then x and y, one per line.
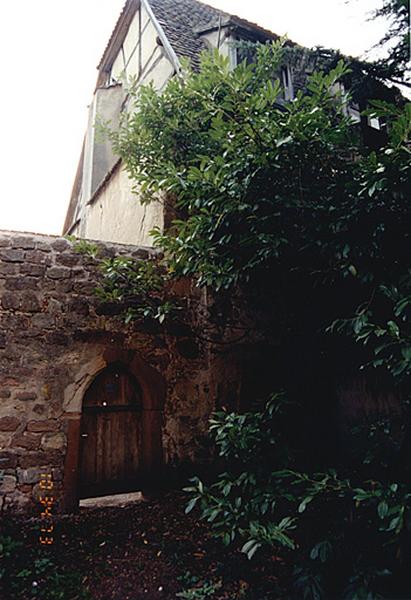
pixel 397 38
pixel 269 190
pixel 284 205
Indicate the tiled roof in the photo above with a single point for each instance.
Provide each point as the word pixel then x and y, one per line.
pixel 181 21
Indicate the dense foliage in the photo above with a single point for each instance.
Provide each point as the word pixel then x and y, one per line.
pixel 396 40
pixel 35 574
pixel 345 531
pixel 266 190
pixel 286 202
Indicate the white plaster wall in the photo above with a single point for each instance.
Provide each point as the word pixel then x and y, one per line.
pixel 150 52
pixel 117 71
pixel 129 44
pixel 117 215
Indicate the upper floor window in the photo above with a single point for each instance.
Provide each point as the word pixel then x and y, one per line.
pixel 245 51
pixel 287 82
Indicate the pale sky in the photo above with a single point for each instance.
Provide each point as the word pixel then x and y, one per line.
pixel 49 52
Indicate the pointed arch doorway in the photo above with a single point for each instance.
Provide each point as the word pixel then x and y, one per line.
pixel 111 434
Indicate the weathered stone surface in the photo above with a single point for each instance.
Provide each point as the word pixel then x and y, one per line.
pixel 79 307
pixel 26 396
pixel 43 245
pixel 57 475
pixel 21 283
pixel 30 302
pixel 53 344
pixel 43 321
pixel 9 423
pixel 30 441
pixel 37 257
pixel 12 255
pixel 60 245
pixel 39 459
pixel 9 269
pixel 31 475
pixel 26 301
pixel 68 260
pixel 8 460
pixel 58 273
pixel 24 242
pixel 41 426
pixel 8 484
pixel 24 488
pixel 5 439
pixel 53 441
pixel 10 300
pixel 33 270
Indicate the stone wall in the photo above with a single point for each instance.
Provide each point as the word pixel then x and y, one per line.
pixel 53 343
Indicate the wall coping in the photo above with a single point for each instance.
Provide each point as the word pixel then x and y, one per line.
pixel 44 237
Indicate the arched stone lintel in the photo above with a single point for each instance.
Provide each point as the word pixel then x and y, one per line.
pixel 73 394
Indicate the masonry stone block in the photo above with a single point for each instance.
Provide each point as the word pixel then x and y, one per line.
pixel 12 256
pixel 10 301
pixel 40 459
pixel 21 283
pixel 30 441
pixel 9 423
pixel 42 426
pixel 24 242
pixel 30 302
pixel 31 475
pixel 8 484
pixel 53 441
pixel 9 269
pixel 26 396
pixel 37 257
pixel 58 273
pixel 8 460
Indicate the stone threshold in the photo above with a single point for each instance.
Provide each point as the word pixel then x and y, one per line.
pixel 114 500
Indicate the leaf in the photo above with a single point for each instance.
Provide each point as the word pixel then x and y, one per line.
pixel 322 550
pixel 372 189
pixel 304 503
pixel 283 141
pixel 382 509
pixel 191 504
pixel 393 329
pixel 250 548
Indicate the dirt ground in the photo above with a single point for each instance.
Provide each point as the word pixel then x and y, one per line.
pixel 145 550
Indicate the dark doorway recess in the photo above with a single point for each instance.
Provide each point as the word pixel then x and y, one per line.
pixel 111 435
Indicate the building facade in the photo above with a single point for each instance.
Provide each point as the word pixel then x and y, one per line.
pixel 147 45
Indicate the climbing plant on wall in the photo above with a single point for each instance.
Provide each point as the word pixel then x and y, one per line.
pixel 285 202
pixel 264 188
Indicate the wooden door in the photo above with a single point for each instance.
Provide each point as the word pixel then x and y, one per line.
pixel 110 442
